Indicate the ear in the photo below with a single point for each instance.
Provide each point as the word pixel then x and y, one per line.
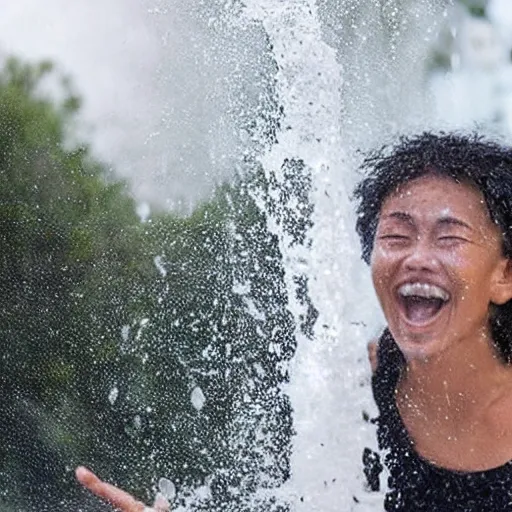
pixel 501 291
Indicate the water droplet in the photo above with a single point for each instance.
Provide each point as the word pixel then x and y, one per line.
pixel 167 488
pixel 112 396
pixel 197 398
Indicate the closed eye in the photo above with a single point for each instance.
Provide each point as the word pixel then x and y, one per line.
pixel 452 241
pixel 393 237
pixel 453 238
pixel 394 240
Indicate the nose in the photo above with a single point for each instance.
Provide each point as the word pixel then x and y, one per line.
pixel 421 256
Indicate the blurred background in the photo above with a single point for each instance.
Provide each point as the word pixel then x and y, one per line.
pixel 179 273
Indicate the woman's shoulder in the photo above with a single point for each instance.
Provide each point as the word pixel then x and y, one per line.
pixel 385 358
pixel 383 351
pixel 388 361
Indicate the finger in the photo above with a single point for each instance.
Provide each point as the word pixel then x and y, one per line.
pixel 161 503
pixel 115 496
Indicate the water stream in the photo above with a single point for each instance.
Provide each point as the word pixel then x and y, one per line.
pixel 333 104
pixel 296 87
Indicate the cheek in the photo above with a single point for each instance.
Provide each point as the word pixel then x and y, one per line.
pixel 381 265
pixel 469 270
pixel 458 259
pixel 381 260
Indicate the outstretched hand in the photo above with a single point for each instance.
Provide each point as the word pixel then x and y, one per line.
pixel 118 498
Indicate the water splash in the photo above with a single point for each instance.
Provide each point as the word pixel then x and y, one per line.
pixel 312 162
pixel 309 89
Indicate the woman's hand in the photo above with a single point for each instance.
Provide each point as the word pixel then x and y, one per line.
pixel 118 498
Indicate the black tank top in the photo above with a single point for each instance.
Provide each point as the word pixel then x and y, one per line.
pixel 414 484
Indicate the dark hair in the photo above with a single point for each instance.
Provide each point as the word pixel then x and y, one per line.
pixel 471 159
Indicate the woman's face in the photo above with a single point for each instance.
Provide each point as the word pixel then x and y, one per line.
pixel 437 265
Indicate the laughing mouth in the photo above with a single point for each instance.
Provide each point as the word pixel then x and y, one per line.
pixel 421 302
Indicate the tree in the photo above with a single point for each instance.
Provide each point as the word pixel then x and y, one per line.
pixel 143 349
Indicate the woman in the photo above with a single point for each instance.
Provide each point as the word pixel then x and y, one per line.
pixel 435 222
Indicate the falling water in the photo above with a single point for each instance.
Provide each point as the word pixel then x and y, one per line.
pixel 309 88
pixel 350 74
pixel 331 95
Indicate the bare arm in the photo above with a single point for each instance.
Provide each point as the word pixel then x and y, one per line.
pixel 118 498
pixel 372 354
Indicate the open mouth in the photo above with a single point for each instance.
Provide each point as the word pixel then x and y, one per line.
pixel 422 302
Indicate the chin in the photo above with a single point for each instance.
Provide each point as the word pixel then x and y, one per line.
pixel 416 353
pixel 418 347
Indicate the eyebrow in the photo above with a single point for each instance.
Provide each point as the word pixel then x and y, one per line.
pixel 400 216
pixel 445 220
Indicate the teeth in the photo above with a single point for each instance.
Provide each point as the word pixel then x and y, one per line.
pixel 429 291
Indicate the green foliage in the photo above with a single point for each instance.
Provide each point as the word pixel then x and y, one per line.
pixel 112 326
pixel 475 7
pixel 70 255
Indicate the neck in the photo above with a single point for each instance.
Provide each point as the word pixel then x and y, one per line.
pixel 458 380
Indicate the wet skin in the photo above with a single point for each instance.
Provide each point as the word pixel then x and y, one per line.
pixel 118 498
pixel 454 394
pixel 437 232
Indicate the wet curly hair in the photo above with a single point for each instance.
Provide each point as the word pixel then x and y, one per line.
pixel 470 159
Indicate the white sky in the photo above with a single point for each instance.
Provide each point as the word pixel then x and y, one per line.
pixel 167 84
pixel 156 82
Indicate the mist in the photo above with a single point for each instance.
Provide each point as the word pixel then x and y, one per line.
pixel 168 89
